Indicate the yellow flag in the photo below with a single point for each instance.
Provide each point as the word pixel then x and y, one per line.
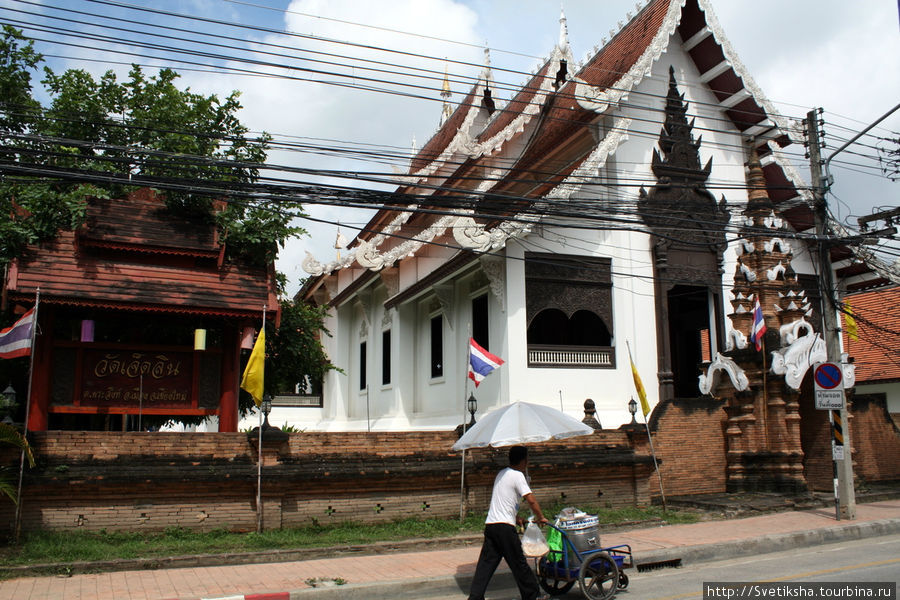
pixel 850 322
pixel 252 381
pixel 639 386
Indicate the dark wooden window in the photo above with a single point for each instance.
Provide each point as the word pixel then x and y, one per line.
pixel 362 366
pixel 437 346
pixel 480 321
pixel 385 357
pixel 568 300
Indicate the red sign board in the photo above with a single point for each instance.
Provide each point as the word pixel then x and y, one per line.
pixel 119 378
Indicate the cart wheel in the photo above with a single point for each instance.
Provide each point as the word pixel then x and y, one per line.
pixel 623 580
pixel 598 577
pixel 555 587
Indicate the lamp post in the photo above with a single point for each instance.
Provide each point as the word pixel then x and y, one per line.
pixel 472 405
pixel 8 403
pixel 266 408
pixel 632 408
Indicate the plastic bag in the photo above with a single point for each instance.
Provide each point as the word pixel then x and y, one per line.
pixel 533 542
pixel 555 544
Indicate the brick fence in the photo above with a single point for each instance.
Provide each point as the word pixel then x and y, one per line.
pixel 151 481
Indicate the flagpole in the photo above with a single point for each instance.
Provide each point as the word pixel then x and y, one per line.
pixel 765 395
pixel 259 510
pixel 645 410
pixel 655 464
pixel 34 325
pixel 462 469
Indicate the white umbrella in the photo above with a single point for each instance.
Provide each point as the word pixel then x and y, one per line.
pixel 521 423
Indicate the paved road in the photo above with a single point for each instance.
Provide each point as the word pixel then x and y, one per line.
pixel 427 573
pixel 870 560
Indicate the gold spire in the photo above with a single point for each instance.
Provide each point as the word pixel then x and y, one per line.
pixel 446 94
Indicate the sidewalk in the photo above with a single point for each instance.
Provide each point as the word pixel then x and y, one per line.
pixel 425 573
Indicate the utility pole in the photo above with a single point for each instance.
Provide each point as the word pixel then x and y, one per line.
pixel 828 291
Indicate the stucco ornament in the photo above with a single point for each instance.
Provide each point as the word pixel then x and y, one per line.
pixel 723 363
pixel 367 256
pixel 801 348
pixel 789 127
pixel 590 97
pixel 735 339
pixel 783 246
pixel 473 236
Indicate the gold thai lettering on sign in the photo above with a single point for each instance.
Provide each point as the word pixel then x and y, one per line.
pixel 157 367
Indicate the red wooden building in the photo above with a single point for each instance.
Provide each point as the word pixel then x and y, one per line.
pixel 125 304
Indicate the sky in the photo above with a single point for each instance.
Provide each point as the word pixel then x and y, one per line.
pixel 841 56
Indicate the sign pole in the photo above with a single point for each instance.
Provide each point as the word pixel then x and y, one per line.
pixel 829 389
pixel 834 468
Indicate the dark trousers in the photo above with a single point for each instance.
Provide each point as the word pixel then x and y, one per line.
pixel 501 541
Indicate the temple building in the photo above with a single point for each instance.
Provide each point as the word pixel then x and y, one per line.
pixel 599 210
pixel 638 206
pixel 140 315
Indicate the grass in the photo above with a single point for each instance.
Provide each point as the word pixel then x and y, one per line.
pixel 67 547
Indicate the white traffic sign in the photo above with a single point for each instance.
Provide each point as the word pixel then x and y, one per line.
pixel 829 384
pixel 830 399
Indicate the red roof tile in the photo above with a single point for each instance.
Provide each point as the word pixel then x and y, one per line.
pixel 877 351
pixel 69 272
pixel 515 106
pixel 439 141
pixel 603 70
pixel 142 222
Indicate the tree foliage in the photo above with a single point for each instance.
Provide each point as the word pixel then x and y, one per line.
pixel 101 132
pixel 102 137
pixel 296 348
pixel 10 436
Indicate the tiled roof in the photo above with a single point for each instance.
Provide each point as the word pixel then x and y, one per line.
pixel 122 276
pixel 516 106
pixel 144 224
pixel 603 70
pixel 877 351
pixel 439 141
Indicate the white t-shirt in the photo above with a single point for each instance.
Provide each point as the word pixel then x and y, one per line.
pixel 510 487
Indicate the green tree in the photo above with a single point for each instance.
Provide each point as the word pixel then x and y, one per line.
pixel 103 137
pixel 99 135
pixel 294 351
pixel 10 436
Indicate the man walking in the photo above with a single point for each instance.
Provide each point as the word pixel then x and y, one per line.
pixel 500 538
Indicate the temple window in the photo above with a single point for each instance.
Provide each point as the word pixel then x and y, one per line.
pixel 569 311
pixel 480 322
pixel 437 346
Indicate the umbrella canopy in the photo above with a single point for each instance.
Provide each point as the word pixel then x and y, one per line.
pixel 521 423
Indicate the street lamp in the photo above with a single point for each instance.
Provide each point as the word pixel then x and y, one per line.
pixel 472 404
pixel 266 408
pixel 632 408
pixel 8 401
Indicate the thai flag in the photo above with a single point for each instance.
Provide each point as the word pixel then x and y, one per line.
pixel 16 340
pixel 481 362
pixel 759 326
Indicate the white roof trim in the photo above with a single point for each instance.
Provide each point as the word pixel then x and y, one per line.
pixel 794 132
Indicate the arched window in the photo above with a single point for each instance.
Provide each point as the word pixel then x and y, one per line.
pixel 568 302
pixel 587 329
pixel 551 327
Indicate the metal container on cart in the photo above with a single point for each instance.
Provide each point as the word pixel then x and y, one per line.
pixel 583 532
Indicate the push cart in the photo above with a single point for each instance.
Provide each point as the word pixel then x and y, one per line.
pixel 600 572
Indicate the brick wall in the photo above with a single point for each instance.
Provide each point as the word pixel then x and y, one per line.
pixel 815 439
pixel 151 481
pixel 875 439
pixel 689 438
